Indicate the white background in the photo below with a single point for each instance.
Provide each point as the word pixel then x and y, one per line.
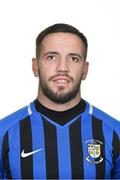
pixel 20 23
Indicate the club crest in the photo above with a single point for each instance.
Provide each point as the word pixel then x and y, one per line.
pixel 94 151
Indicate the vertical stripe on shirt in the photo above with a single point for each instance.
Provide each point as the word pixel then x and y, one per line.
pixel 86 132
pixel 116 149
pixel 64 152
pixel 99 136
pixel 26 147
pixel 108 143
pixel 39 164
pixel 116 146
pixel 76 150
pixel 5 156
pixel 51 150
pixel 14 145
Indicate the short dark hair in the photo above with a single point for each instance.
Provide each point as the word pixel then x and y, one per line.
pixel 56 28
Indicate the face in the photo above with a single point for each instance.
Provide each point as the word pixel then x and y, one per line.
pixel 60 67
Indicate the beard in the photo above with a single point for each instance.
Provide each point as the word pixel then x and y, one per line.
pixel 60 96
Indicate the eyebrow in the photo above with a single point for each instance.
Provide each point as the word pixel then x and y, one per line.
pixel 50 52
pixel 76 54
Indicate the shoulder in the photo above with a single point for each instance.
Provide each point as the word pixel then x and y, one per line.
pixel 106 119
pixel 9 121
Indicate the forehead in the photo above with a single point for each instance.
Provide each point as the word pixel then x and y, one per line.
pixel 62 40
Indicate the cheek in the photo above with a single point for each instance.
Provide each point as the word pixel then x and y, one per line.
pixel 78 73
pixel 45 73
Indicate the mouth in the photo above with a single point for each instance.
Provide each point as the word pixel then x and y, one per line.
pixel 61 81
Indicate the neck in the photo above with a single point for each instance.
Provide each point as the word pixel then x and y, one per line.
pixel 56 106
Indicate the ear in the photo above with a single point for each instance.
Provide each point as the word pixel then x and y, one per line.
pixel 35 67
pixel 85 71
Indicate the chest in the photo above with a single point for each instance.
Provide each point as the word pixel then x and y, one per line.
pixel 41 149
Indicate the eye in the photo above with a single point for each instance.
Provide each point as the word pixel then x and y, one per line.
pixel 75 59
pixel 51 57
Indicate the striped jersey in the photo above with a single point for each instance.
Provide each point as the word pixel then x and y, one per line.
pixel 35 146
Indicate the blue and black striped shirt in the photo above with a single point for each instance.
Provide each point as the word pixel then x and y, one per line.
pixel 80 143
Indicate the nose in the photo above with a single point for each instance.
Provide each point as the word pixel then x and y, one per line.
pixel 62 65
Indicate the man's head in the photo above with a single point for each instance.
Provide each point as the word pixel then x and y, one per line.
pixel 60 63
pixel 65 28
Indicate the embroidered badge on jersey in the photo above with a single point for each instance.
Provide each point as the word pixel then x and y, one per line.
pixel 94 151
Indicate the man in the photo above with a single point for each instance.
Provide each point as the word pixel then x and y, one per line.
pixel 60 135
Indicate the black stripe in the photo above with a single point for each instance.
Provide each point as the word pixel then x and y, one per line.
pixel 5 156
pixel 76 150
pixel 116 149
pixel 51 150
pixel 116 146
pixel 26 145
pixel 98 136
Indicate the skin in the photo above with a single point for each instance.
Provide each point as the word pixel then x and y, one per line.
pixel 61 67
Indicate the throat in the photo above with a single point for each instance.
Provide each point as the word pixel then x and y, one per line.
pixel 61 117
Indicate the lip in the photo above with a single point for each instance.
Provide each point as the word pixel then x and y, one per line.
pixel 61 80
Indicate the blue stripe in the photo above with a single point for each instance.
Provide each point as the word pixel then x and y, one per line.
pixel 14 153
pixel 86 130
pixel 39 164
pixel 64 152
